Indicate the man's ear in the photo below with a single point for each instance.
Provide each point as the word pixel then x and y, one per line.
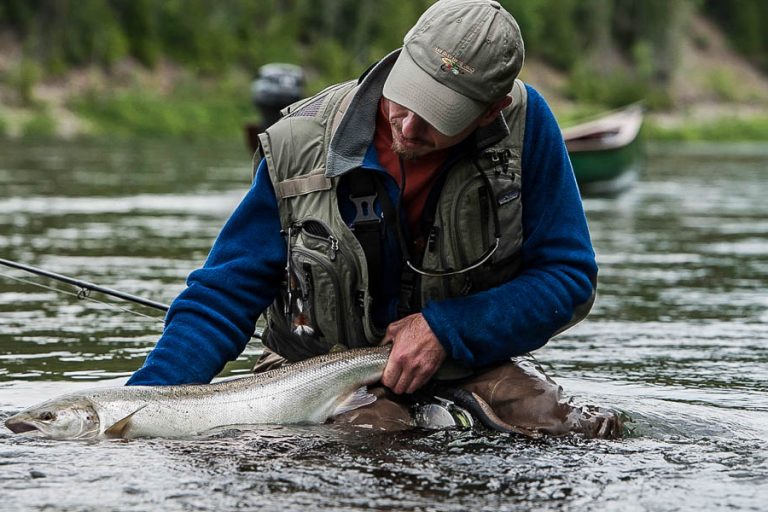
pixel 494 109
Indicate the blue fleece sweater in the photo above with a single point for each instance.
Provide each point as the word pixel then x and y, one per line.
pixel 210 322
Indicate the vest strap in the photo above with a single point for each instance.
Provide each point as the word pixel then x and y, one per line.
pixel 313 182
pixel 409 283
pixel 367 226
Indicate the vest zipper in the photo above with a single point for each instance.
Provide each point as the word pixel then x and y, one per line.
pixel 334 249
pixel 434 231
pixel 333 242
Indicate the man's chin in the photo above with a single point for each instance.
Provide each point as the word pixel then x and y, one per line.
pixel 407 153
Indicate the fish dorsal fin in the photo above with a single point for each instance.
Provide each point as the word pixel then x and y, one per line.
pixel 119 427
pixel 358 398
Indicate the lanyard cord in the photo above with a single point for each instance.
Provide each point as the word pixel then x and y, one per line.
pixel 480 261
pixel 406 254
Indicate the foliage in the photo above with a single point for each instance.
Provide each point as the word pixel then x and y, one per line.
pixel 727 129
pixel 744 22
pixel 192 111
pixel 22 79
pixel 328 37
pixel 40 125
pixel 613 51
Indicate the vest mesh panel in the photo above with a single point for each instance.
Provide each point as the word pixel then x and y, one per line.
pixel 310 109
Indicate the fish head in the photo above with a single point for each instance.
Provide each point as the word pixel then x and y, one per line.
pixel 62 418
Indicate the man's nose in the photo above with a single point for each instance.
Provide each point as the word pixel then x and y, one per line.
pixel 413 126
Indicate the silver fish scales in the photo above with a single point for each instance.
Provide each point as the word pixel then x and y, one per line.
pixel 309 392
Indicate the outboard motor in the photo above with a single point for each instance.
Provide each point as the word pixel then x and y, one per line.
pixel 277 86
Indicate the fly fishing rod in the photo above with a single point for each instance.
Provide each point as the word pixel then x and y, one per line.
pixel 86 287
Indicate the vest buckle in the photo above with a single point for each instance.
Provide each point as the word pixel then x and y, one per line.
pixel 364 208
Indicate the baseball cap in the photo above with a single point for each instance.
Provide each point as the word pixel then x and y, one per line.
pixel 461 56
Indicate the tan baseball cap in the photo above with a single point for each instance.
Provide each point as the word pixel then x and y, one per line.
pixel 461 56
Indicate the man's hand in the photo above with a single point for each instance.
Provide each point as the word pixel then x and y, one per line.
pixel 416 354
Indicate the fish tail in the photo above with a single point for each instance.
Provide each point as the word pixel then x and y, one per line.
pixel 481 410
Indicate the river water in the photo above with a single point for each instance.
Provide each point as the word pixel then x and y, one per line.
pixel 677 341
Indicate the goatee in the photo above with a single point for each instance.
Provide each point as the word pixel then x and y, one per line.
pixel 403 153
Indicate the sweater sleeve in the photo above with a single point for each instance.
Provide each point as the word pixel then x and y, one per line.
pixel 556 285
pixel 212 320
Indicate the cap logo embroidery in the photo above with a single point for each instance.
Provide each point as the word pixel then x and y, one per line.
pixel 451 64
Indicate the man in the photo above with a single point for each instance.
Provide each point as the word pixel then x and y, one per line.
pixel 430 205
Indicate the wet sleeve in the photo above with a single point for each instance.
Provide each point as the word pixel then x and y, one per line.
pixel 556 285
pixel 211 321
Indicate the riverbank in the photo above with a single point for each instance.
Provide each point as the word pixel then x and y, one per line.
pixel 715 95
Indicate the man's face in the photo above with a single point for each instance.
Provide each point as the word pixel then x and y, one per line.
pixel 413 137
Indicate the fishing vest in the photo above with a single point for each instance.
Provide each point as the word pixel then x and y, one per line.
pixel 326 299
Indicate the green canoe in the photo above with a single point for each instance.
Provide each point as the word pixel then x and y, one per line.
pixel 606 151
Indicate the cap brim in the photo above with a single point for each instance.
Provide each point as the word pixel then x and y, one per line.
pixel 439 105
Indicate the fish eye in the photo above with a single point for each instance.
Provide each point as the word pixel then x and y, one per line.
pixel 47 416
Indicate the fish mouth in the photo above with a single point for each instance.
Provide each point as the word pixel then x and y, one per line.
pixel 19 426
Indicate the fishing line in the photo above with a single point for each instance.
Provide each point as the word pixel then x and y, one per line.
pixel 82 294
pixel 85 289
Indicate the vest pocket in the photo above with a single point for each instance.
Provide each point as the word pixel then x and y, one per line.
pixel 322 266
pixel 505 194
pixel 480 208
pixel 313 279
pixel 311 313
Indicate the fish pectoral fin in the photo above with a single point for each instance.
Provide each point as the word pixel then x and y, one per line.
pixel 118 429
pixel 359 398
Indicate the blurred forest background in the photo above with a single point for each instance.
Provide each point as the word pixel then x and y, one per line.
pixel 183 67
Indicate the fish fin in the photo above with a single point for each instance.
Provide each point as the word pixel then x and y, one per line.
pixel 472 402
pixel 118 429
pixel 359 398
